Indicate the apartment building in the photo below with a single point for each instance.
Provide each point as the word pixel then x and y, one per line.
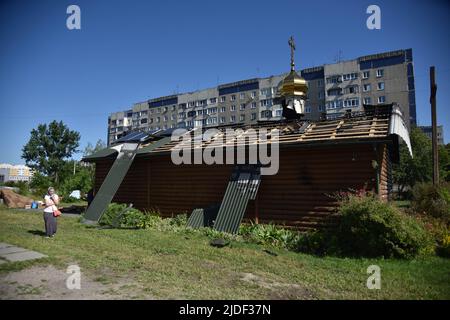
pixel 9 172
pixel 428 130
pixel 333 89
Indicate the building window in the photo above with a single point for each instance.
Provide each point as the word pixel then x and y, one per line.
pixel 266 114
pixel 233 97
pixel 351 102
pixel 173 116
pixel 213 100
pixel 380 86
pixel 242 106
pixel 211 110
pixel 222 119
pixel 212 120
pixel 143 120
pixel 367 100
pixel 278 113
pixel 253 105
pixel 320 83
pixel 351 89
pixel 266 91
pixel 233 107
pixel 380 73
pixel 366 74
pixel 335 92
pixel 381 99
pixel 307 109
pixel 320 95
pixel 366 87
pixel 253 94
pixel 334 79
pixel 223 98
pixel 222 109
pixel 158 119
pixel 266 103
pixel 334 104
pixel 253 116
pixel 242 117
pixel 349 76
pixel 321 108
pixel 233 119
pixel 165 118
pixel 242 95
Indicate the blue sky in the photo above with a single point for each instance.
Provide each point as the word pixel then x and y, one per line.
pixel 129 51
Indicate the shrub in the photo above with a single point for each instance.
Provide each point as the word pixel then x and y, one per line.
pixel 269 234
pixel 119 216
pixel 443 248
pixel 432 200
pixel 372 228
pixel 369 227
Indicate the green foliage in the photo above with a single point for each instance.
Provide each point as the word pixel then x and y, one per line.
pixel 417 169
pixel 369 227
pixel 90 149
pixel 372 228
pixel 432 200
pixel 23 186
pixel 443 248
pixel 48 147
pixel 119 216
pixel 82 180
pixel 269 234
pixel 39 184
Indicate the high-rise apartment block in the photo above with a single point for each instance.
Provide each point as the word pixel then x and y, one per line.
pixel 332 90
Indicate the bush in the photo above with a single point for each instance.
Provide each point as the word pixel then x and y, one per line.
pixel 432 200
pixel 443 248
pixel 369 227
pixel 120 216
pixel 269 234
pixel 372 228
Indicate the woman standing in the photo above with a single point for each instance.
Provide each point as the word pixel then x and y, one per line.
pixel 51 201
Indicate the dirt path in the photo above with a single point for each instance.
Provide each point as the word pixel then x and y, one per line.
pixel 47 282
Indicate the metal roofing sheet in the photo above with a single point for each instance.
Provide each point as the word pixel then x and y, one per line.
pixel 243 186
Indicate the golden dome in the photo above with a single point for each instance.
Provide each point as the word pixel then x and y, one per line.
pixel 293 84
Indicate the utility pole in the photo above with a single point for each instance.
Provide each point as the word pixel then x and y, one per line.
pixel 433 89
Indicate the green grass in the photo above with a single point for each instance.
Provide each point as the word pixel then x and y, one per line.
pixel 183 265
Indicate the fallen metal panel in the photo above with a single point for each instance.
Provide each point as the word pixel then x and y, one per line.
pixel 112 181
pixel 203 217
pixel 115 176
pixel 243 186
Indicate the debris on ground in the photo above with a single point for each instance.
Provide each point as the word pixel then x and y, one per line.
pixel 14 200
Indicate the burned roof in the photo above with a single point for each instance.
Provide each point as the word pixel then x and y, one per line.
pixel 375 123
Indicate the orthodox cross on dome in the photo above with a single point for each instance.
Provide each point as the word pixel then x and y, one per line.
pixel 292 45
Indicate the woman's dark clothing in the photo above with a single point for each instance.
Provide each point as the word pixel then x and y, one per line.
pixel 50 224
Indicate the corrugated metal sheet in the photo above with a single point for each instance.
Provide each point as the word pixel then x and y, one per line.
pixel 243 186
pixel 112 181
pixel 115 177
pixel 203 217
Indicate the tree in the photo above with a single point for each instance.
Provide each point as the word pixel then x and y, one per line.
pixel 90 149
pixel 419 168
pixel 48 148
